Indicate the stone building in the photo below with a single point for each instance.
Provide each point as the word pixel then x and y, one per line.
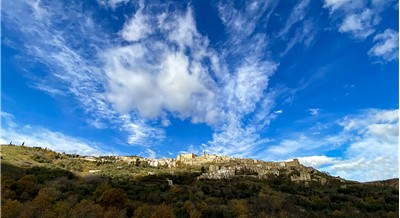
pixel 193 159
pixel 185 157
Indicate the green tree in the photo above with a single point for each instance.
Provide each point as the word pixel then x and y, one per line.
pixel 87 209
pixel 40 204
pixel 143 211
pixel 60 209
pixel 10 209
pixel 191 209
pixel 162 211
pixel 27 184
pixel 239 207
pixel 113 197
pixel 113 212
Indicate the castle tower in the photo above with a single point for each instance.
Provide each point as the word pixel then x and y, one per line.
pixel 296 162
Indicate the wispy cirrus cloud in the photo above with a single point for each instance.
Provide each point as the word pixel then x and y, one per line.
pixel 247 102
pixel 386 45
pixel 112 3
pixel 73 68
pixel 154 71
pixel 298 29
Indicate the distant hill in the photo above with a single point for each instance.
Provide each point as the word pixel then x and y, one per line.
pixel 39 182
pixel 389 182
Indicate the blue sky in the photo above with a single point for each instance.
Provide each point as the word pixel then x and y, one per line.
pixel 270 80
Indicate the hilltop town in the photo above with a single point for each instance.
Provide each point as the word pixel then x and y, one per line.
pixel 211 166
pixel 224 167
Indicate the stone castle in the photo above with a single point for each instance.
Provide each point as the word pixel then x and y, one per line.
pixel 194 160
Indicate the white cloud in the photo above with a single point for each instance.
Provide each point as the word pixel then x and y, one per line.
pixel 367 144
pixel 304 34
pixel 360 25
pixel 317 161
pixel 363 169
pixel 249 83
pixel 334 4
pixel 371 147
pixel 278 111
pixel 173 87
pixel 38 11
pixel 191 149
pixel 369 117
pixel 140 133
pixel 245 98
pixel 182 30
pixel 359 19
pixel 137 27
pixel 45 138
pixel 112 3
pixel 345 5
pixel 314 111
pixel 286 147
pixel 373 152
pixel 154 78
pixel 297 14
pixel 298 28
pixel 152 154
pixel 300 144
pixel 7 119
pixel 386 45
pixel 235 139
pixel 242 22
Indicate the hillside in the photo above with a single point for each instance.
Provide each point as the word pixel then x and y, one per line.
pixel 388 182
pixel 39 182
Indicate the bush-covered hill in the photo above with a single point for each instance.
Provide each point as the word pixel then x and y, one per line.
pixel 41 183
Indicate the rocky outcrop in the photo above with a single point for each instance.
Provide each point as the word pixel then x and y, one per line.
pixel 250 168
pixel 303 176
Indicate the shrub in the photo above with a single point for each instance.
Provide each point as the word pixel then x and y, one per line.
pixel 113 197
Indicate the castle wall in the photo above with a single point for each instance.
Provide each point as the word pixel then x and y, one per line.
pixel 294 163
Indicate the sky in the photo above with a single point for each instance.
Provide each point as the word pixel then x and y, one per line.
pixel 268 80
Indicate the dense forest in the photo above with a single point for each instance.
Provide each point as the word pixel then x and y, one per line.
pixel 43 183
